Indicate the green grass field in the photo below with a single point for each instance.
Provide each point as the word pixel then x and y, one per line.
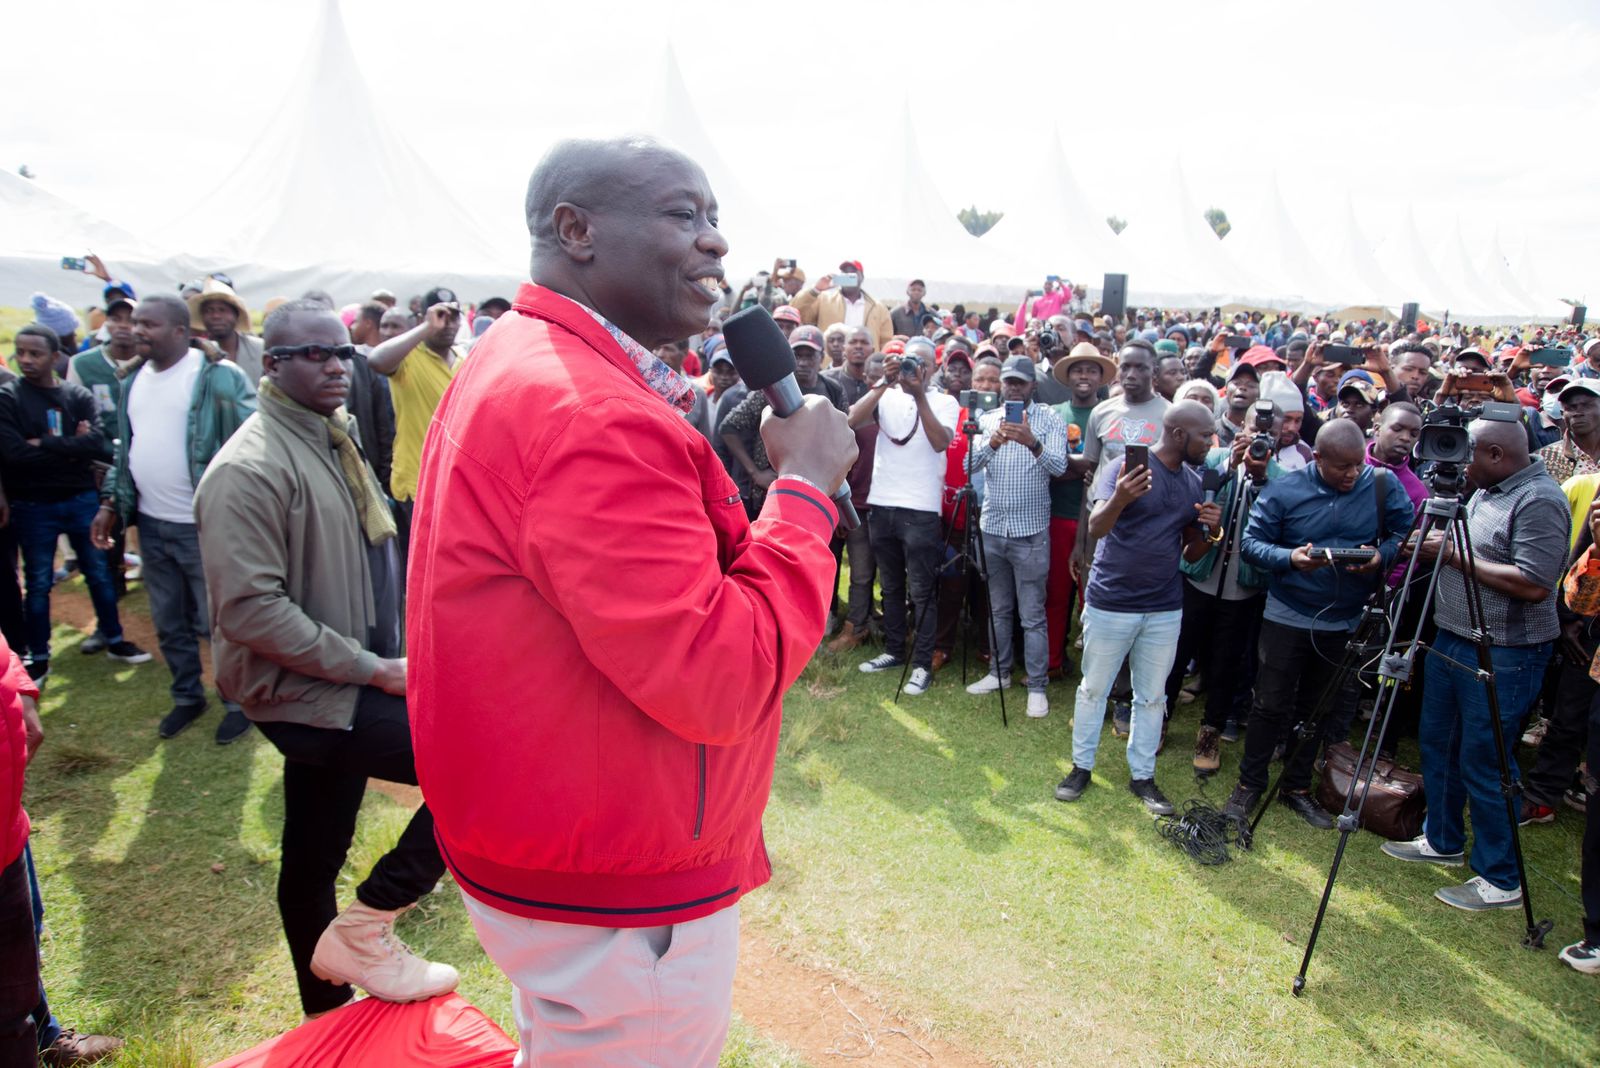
pixel 918 851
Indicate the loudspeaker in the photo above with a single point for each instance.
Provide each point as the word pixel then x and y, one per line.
pixel 1578 313
pixel 1408 319
pixel 1114 296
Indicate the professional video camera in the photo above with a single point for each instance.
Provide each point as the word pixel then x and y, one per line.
pixel 1445 444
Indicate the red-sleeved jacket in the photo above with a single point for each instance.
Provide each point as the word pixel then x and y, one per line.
pixel 14 685
pixel 599 640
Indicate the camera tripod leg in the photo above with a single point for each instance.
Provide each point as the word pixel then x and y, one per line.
pixel 1510 788
pixel 982 563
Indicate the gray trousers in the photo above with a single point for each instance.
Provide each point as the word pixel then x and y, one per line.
pixel 624 997
pixel 170 557
pixel 863 572
pixel 1018 568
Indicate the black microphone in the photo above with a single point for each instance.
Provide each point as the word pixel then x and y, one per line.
pixel 1210 480
pixel 764 360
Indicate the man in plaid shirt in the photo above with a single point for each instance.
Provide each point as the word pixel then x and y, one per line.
pixel 1019 457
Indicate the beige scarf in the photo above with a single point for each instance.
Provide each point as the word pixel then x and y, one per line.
pixel 377 522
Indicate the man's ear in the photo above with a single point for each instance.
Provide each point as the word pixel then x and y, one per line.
pixel 574 232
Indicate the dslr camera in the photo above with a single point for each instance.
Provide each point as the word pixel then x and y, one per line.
pixel 1049 341
pixel 1266 428
pixel 910 367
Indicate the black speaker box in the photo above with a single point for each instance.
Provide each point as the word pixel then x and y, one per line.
pixel 1408 319
pixel 1578 313
pixel 1114 296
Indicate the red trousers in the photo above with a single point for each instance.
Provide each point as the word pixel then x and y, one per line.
pixel 1060 590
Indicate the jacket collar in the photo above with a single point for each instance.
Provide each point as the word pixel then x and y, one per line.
pixel 303 423
pixel 540 302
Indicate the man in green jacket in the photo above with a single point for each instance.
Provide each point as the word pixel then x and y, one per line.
pixel 174 413
pixel 299 549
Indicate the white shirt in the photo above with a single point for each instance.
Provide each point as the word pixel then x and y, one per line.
pixel 910 475
pixel 158 456
pixel 855 311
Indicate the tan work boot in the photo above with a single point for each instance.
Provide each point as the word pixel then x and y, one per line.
pixel 1207 750
pixel 849 637
pixel 71 1048
pixel 360 947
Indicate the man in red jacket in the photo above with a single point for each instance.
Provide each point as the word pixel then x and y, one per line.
pixel 599 638
pixel 20 735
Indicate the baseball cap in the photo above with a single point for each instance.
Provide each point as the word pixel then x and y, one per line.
pixel 1019 368
pixel 437 295
pixel 1361 383
pixel 1558 383
pixel 1167 347
pixel 1014 343
pixel 116 299
pixel 1473 354
pixel 1256 355
pixel 720 356
pixel 957 353
pixel 985 348
pixel 926 318
pixel 1582 385
pixel 116 291
pixel 1590 346
pixel 1001 328
pixel 806 335
pixel 787 313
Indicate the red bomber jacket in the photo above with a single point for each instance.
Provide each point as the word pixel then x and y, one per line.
pixel 599 639
pixel 14 685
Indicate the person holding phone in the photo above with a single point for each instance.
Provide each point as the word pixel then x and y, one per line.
pixel 1021 446
pixel 840 298
pixel 1149 512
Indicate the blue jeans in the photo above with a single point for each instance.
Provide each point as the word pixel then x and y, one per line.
pixel 170 555
pixel 1017 571
pixel 1459 763
pixel 39 524
pixel 1150 641
pixel 44 1022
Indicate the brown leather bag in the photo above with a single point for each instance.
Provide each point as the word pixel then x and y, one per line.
pixel 1395 805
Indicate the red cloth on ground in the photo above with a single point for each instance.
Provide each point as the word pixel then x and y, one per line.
pixel 447 1032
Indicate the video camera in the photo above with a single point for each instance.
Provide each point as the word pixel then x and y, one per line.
pixel 1445 443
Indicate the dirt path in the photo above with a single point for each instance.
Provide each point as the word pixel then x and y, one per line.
pixel 823 1017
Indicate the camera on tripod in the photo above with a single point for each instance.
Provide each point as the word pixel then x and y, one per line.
pixel 1266 428
pixel 1445 443
pixel 976 402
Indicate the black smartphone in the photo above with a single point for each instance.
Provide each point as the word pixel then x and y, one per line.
pixel 1551 356
pixel 1240 342
pixel 1345 354
pixel 789 264
pixel 1136 456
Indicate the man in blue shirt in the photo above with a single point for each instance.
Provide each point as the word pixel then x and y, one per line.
pixel 1312 605
pixel 1146 519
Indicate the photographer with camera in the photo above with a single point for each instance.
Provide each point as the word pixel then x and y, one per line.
pixel 1518 523
pixel 839 298
pixel 1223 594
pixel 1313 604
pixel 1021 446
pixel 915 427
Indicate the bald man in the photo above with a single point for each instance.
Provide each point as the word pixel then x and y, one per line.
pixel 1312 605
pixel 1146 518
pixel 1518 523
pixel 599 638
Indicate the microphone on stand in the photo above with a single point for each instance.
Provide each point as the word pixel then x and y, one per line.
pixel 764 360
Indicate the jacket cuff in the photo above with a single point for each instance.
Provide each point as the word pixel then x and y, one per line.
pixel 802 504
pixel 366 666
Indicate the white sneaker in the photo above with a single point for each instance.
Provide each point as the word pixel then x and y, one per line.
pixel 1038 704
pixel 989 684
pixel 359 947
pixel 1478 894
pixel 1419 851
pixel 921 679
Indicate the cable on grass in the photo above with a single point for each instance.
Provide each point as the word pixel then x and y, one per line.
pixel 1204 832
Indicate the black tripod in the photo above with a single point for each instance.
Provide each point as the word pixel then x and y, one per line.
pixel 1443 510
pixel 970 556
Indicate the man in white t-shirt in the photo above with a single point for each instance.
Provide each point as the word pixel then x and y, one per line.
pixel 914 429
pixel 175 412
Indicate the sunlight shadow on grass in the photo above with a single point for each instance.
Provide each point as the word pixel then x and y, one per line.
pixel 919 729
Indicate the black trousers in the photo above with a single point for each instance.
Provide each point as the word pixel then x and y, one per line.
pixel 19 969
pixel 1220 634
pixel 1296 667
pixel 906 544
pixel 1564 740
pixel 325 776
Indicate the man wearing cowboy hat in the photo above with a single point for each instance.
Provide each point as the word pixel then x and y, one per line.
pixel 1081 372
pixel 222 318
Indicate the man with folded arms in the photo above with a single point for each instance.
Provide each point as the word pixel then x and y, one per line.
pixel 599 639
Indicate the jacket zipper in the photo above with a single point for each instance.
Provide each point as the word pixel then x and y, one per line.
pixel 700 791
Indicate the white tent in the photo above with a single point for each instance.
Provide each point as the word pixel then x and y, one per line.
pixel 1055 230
pixel 1350 260
pixel 38 228
pixel 1184 263
pixel 1403 258
pixel 331 196
pixel 1268 242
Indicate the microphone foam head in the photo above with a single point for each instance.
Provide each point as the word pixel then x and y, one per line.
pixel 760 352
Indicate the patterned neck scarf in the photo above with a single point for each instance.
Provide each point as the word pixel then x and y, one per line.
pixel 377 522
pixel 672 387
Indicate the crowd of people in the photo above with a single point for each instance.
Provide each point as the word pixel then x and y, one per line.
pixel 1172 477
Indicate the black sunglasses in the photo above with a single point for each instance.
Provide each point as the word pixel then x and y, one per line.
pixel 314 353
